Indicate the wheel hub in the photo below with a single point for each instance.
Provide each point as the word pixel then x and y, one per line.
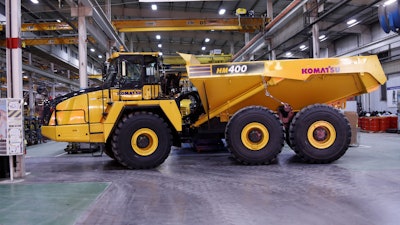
pixel 320 134
pixel 143 141
pixel 255 135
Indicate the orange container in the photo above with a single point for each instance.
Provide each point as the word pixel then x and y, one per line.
pixel 393 122
pixel 361 123
pixel 384 123
pixel 372 124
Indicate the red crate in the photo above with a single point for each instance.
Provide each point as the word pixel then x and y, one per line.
pixel 393 122
pixel 372 124
pixel 384 123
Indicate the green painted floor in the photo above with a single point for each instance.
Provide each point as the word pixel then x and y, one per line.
pixel 47 203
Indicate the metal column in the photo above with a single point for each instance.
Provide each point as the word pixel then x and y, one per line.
pixel 14 69
pixel 81 12
pixel 270 15
pixel 83 77
pixel 313 5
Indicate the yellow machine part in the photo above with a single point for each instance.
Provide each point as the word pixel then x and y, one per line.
pixel 89 118
pixel 225 88
pixel 185 107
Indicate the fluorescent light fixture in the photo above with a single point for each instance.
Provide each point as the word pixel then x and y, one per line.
pixel 388 2
pixel 92 50
pixel 221 11
pixel 159 45
pixel 288 54
pixel 303 47
pixel 203 48
pixel 352 21
pixel 35 1
pixel 58 21
pixel 158 37
pixel 154 7
pixel 100 56
pixel 160 54
pixel 322 37
pixel 207 40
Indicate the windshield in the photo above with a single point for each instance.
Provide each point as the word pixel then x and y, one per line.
pixel 132 71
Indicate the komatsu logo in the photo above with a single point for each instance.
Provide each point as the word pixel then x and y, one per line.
pixel 319 70
pixel 129 92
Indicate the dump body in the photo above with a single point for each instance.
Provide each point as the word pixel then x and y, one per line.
pixel 227 87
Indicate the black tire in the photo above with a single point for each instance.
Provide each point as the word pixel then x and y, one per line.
pixel 108 149
pixel 320 134
pixel 142 140
pixel 287 138
pixel 254 135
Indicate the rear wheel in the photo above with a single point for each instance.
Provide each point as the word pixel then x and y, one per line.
pixel 141 140
pixel 254 135
pixel 320 134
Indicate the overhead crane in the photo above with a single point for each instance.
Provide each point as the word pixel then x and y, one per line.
pixel 241 24
pixel 47 26
pixel 177 60
pixel 49 41
pixel 244 24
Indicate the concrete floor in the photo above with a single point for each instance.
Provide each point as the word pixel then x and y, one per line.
pixel 363 187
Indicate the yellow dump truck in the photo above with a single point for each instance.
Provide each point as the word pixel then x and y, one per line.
pixel 254 106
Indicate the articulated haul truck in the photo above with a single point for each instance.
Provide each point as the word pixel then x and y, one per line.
pixel 255 106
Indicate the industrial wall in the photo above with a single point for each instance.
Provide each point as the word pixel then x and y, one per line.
pixel 386 98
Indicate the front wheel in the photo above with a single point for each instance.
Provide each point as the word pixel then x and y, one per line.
pixel 320 134
pixel 254 135
pixel 141 140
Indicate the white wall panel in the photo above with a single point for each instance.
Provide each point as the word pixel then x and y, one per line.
pixel 346 44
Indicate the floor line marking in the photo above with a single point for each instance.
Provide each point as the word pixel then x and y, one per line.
pixel 61 154
pixel 364 146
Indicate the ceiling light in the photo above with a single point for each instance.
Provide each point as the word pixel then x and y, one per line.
pixel 388 2
pixel 288 54
pixel 203 48
pixel 352 21
pixel 221 11
pixel 303 47
pixel 160 54
pixel 35 1
pixel 100 56
pixel 322 37
pixel 58 21
pixel 159 45
pixel 154 7
pixel 158 37
pixel 207 40
pixel 92 50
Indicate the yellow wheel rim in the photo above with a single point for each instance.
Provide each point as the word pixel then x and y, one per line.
pixel 144 142
pixel 321 134
pixel 255 136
